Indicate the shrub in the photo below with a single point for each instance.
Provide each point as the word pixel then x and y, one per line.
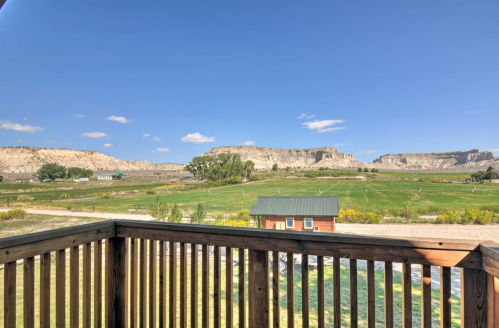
pixel 159 210
pixel 474 215
pixel 104 197
pixel 353 216
pixel 64 196
pixel 25 198
pixel 13 214
pixel 150 192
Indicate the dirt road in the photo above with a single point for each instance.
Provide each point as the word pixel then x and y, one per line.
pixel 88 214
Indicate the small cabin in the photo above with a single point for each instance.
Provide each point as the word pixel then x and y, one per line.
pixel 110 176
pixel 297 213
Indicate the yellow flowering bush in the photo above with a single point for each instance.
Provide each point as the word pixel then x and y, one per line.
pixel 353 216
pixel 474 215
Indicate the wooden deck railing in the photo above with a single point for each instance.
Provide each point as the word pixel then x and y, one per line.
pixel 147 274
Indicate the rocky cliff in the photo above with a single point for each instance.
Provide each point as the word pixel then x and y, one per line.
pixel 29 160
pixel 472 158
pixel 266 157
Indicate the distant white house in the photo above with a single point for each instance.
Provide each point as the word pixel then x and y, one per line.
pixel 83 179
pixel 110 176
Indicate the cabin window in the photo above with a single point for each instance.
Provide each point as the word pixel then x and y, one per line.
pixel 309 223
pixel 290 223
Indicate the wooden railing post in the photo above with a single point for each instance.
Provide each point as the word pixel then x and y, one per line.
pixel 116 291
pixel 473 298
pixel 258 288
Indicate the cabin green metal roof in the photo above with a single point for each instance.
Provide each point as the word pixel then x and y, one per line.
pixel 296 205
pixel 112 174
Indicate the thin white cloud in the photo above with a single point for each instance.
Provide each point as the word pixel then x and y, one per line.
pixel 146 135
pixel 494 150
pixel 66 143
pixel 19 140
pixel 156 139
pixel 249 143
pixel 324 125
pixel 163 150
pixel 306 115
pixel 372 151
pixel 107 145
pixel 79 116
pixel 95 134
pixel 19 127
pixel 120 119
pixel 25 119
pixel 153 151
pixel 50 142
pixel 342 144
pixel 197 138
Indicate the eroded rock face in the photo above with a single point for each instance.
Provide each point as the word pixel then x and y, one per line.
pixel 266 157
pixel 472 158
pixel 29 160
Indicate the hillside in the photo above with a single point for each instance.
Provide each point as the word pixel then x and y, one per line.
pixel 29 160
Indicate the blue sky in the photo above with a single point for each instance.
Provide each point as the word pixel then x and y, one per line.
pixel 374 77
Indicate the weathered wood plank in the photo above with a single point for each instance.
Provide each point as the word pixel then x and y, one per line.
pixel 321 317
pixel 60 288
pixel 473 298
pixel 426 296
pixel 229 289
pixel 305 292
pixel 162 285
pixel 116 291
pixel 217 288
pixel 29 293
pixel 194 285
pixel 134 258
pixel 173 285
pixel 406 296
pixel 153 256
pixel 258 294
pixel 9 295
pixel 98 284
pixel 337 292
pixel 354 309
pixel 388 295
pixel 371 297
pixel 276 306
pixel 445 298
pixel 143 284
pixel 291 289
pixel 183 285
pixel 87 280
pixel 491 265
pixel 205 294
pixel 127 277
pixel 45 261
pixel 242 289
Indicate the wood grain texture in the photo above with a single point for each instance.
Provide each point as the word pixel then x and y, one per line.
pixel 173 286
pixel 242 288
pixel 153 257
pixel 305 292
pixel 229 290
pixel 205 288
pixel 116 291
pixel 127 282
pixel 321 315
pixel 87 285
pixel 388 294
pixel 134 269
pixel 406 295
pixel 194 285
pixel 258 294
pixel 290 289
pixel 98 284
pixel 337 292
pixel 217 288
pixel 354 309
pixel 163 293
pixel 371 296
pixel 60 288
pixel 183 285
pixel 9 295
pixel 29 293
pixel 445 298
pixel 143 284
pixel 426 296
pixel 45 261
pixel 473 298
pixel 276 306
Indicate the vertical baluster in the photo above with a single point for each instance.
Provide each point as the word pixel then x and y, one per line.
pixel 9 305
pixel 305 291
pixel 205 295
pixel 87 263
pixel 493 301
pixel 98 284
pixel 134 258
pixel 194 285
pixel 321 292
pixel 116 290
pixel 152 282
pixel 337 292
pixel 74 289
pixel 406 296
pixel 127 277
pixel 242 289
pixel 445 297
pixel 173 285
pixel 162 284
pixel 143 284
pixel 45 290
pixel 371 307
pixel 29 293
pixel 217 288
pixel 60 288
pixel 354 309
pixel 229 289
pixel 388 294
pixel 276 308
pixel 258 289
pixel 106 284
pixel 183 285
pixel 426 296
pixel 473 297
pixel 291 289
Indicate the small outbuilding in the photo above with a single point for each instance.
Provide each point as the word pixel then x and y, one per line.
pixel 110 176
pixel 297 213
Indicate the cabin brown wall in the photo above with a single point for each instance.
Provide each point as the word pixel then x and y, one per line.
pixel 325 224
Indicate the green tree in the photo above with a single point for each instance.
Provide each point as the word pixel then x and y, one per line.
pixel 51 172
pixel 366 170
pixel 359 169
pixel 78 172
pixel 159 210
pixel 175 214
pixel 288 169
pixel 275 167
pixel 221 166
pixel 199 215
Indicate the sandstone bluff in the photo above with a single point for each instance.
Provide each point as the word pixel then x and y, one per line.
pixel 29 160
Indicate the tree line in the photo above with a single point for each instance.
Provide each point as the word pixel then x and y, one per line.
pixel 52 171
pixel 219 167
